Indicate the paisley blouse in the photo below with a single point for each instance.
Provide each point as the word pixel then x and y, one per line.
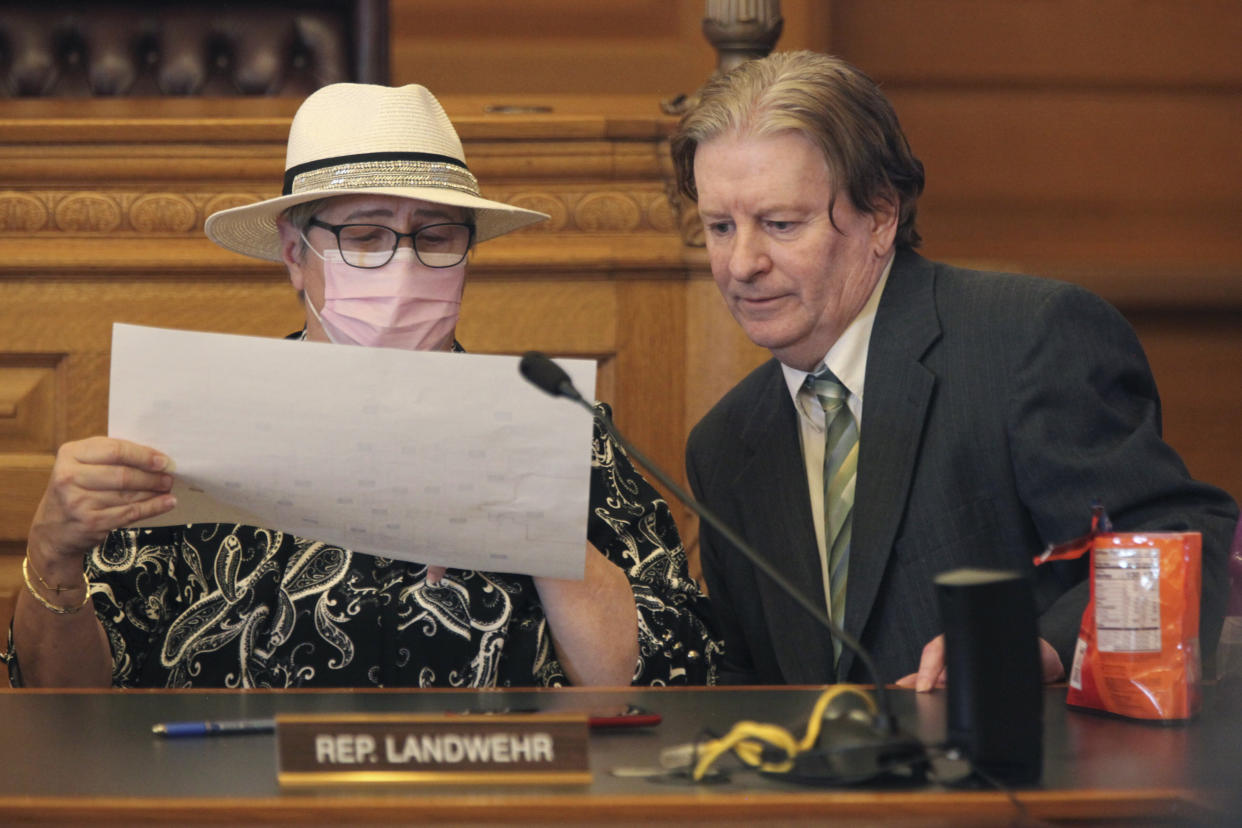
pixel 239 606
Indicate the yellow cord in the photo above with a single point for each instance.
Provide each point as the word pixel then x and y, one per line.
pixel 821 704
pixel 749 739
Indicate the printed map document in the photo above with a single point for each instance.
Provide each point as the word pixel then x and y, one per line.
pixel 432 457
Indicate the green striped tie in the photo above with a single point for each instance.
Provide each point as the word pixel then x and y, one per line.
pixel 840 469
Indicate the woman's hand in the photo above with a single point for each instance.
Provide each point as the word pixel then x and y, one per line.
pixel 97 485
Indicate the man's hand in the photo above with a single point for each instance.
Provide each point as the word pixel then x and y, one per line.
pixel 97 485
pixel 932 671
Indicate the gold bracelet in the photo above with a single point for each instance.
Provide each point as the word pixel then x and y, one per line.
pixel 59 588
pixel 56 608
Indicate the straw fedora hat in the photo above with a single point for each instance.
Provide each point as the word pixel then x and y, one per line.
pixel 354 139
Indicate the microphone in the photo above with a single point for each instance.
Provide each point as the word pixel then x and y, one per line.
pixel 546 375
pixel 550 377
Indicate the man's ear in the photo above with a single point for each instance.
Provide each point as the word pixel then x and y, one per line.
pixel 292 251
pixel 885 214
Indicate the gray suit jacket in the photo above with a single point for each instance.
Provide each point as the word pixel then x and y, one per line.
pixel 996 409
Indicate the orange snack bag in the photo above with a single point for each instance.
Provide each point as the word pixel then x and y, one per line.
pixel 1138 646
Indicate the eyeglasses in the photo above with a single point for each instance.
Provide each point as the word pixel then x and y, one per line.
pixel 374 245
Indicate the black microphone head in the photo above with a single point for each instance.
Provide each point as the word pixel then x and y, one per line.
pixel 547 375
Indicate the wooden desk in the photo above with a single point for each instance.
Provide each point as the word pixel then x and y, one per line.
pixel 99 747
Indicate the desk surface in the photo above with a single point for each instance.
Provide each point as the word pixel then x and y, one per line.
pixel 99 746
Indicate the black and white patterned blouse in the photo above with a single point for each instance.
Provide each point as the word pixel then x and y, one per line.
pixel 237 606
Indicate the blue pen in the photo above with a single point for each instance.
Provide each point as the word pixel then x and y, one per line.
pixel 226 727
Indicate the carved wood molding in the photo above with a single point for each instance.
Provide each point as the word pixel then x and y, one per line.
pixel 633 208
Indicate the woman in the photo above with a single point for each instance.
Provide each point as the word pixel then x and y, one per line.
pixel 378 214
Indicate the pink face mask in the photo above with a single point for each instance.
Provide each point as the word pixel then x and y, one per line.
pixel 400 305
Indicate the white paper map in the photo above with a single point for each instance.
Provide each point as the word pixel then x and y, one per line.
pixel 433 457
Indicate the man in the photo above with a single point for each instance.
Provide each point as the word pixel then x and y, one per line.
pixel 377 218
pixel 917 417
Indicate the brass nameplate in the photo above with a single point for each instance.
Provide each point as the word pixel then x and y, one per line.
pixel 369 749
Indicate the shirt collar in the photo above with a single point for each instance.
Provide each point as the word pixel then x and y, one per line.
pixel 847 358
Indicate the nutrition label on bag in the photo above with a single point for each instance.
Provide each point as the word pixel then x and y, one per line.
pixel 1127 599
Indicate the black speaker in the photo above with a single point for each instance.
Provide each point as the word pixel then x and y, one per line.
pixel 994 683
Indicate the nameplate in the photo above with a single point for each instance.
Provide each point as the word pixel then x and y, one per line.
pixel 371 749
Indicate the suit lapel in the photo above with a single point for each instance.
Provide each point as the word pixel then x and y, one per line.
pixel 772 483
pixel 895 400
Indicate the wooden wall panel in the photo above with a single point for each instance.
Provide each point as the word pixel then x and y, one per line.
pixel 1141 44
pixel 479 46
pixel 1073 178
pixel 649 47
pixel 28 403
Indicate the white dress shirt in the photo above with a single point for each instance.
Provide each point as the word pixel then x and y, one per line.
pixel 847 359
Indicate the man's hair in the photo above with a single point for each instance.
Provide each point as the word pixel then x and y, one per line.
pixel 830 102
